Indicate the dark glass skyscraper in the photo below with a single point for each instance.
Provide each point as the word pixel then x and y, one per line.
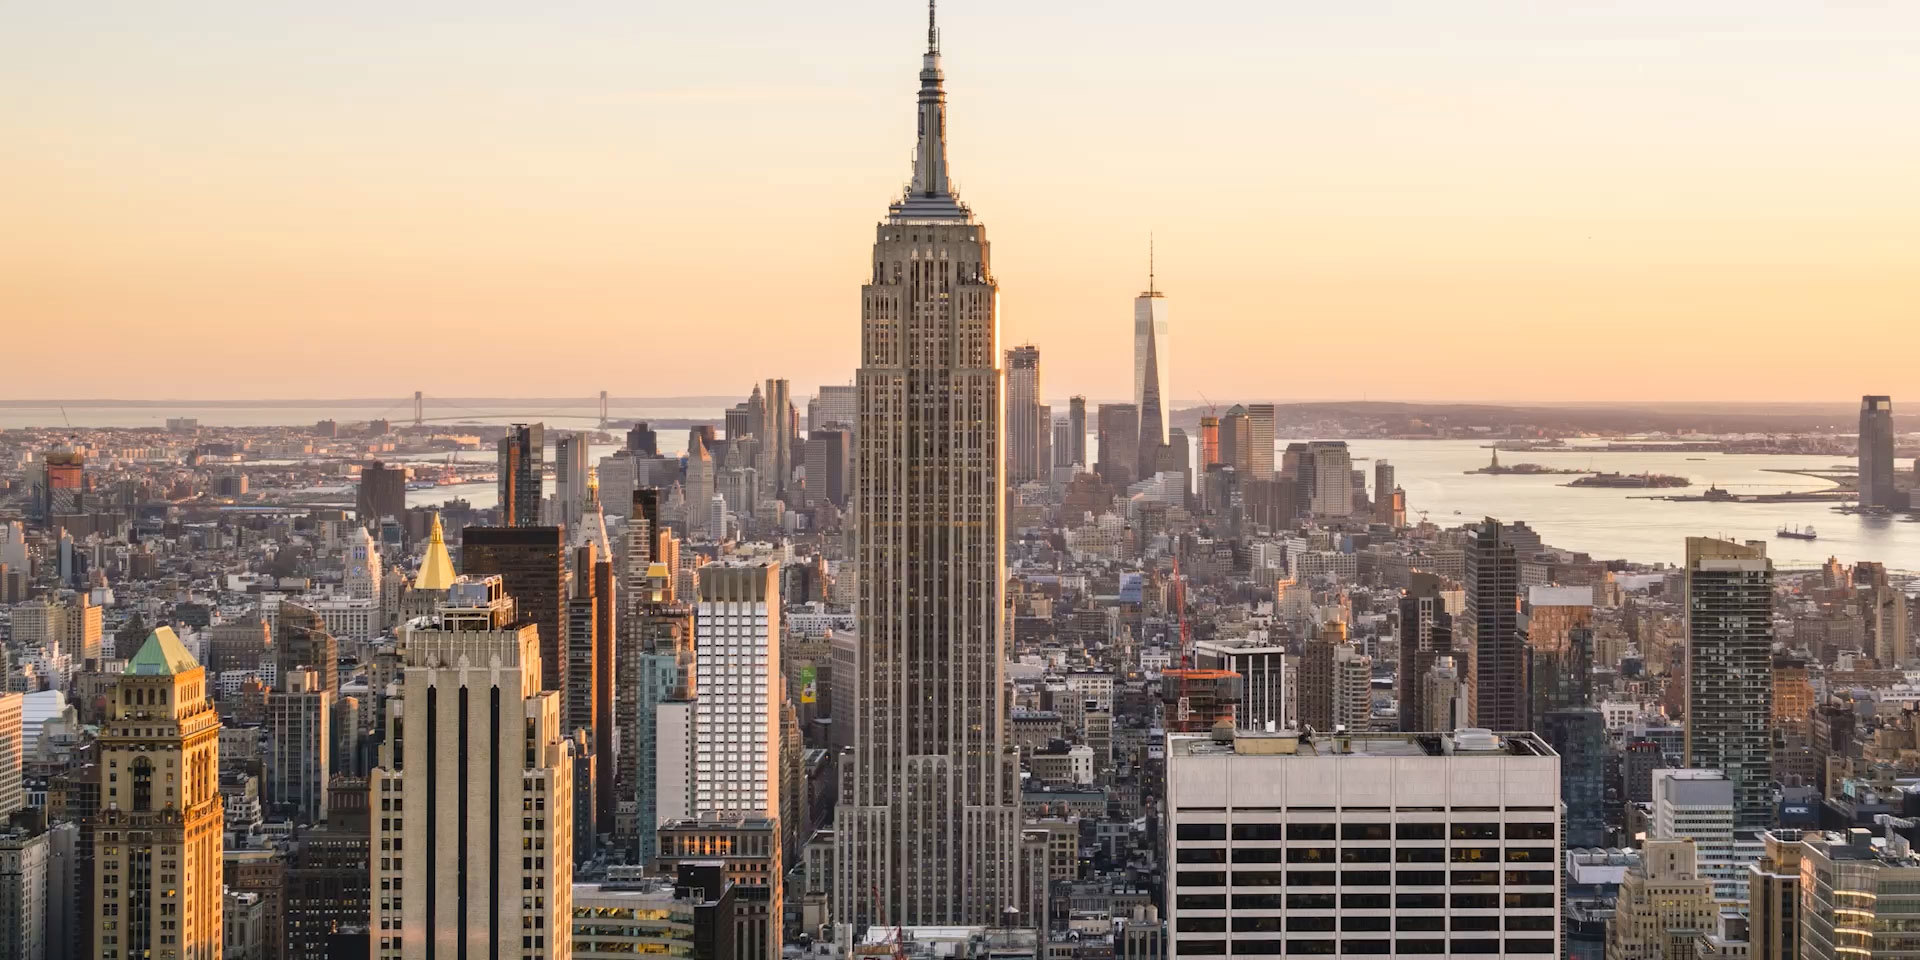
pixel 1493 614
pixel 1876 452
pixel 532 561
pixel 522 455
pixel 1730 671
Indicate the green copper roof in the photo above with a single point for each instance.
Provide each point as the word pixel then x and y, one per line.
pixel 162 655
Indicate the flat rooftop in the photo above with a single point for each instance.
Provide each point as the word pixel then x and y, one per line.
pixel 1463 743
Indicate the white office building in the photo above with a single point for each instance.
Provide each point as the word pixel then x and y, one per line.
pixel 1697 805
pixel 1383 844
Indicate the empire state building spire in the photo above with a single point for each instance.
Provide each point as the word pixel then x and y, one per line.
pixel 930 195
pixel 928 828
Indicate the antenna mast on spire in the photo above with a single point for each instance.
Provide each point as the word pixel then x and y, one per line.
pixel 1150 287
pixel 933 33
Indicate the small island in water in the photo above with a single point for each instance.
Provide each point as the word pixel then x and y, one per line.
pixel 1632 481
pixel 1495 468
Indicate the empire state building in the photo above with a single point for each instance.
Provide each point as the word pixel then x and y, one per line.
pixel 927 827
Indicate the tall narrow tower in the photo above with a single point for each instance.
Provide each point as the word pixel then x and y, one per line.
pixel 1150 364
pixel 927 827
pixel 156 836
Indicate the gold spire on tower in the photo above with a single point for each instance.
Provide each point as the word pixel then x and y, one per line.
pixel 436 568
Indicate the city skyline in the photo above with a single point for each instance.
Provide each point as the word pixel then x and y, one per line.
pixel 1655 178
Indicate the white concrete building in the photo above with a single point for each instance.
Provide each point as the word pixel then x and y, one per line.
pixel 1384 844
pixel 736 713
pixel 1697 805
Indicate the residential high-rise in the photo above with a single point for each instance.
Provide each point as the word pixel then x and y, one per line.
pixel 1729 596
pixel 1151 363
pixel 1259 441
pixel 570 460
pixel 1383 487
pixel 157 838
pixel 1119 440
pixel 1425 635
pixel 736 715
pixel 1209 442
pixel 1876 452
pixel 1664 905
pixel 300 743
pixel 589 686
pixel 533 562
pixel 521 474
pixel 475 857
pixel 1024 423
pixel 1499 673
pixel 382 493
pixel 1387 844
pixel 1335 687
pixel 776 446
pixel 1077 429
pixel 928 828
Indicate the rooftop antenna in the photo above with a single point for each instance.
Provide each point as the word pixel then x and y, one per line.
pixel 1150 287
pixel 933 33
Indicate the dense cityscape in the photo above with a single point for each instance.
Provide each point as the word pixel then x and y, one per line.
pixel 931 664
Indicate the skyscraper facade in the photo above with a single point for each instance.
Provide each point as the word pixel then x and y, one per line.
pixel 1150 367
pixel 1729 595
pixel 1209 442
pixel 1499 673
pixel 1259 440
pixel 1025 426
pixel 736 711
pixel 157 840
pixel 533 562
pixel 1425 636
pixel 927 828
pixel 569 478
pixel 1235 451
pixel 776 447
pixel 1077 429
pixel 835 405
pixel 522 453
pixel 1876 452
pixel 478 849
pixel 382 493
pixel 1119 426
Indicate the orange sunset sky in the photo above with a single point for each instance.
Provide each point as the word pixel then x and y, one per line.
pixel 1468 200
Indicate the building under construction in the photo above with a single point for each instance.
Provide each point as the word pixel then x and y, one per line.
pixel 1196 700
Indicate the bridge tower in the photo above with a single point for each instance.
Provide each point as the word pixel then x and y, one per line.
pixel 419 408
pixel 603 410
